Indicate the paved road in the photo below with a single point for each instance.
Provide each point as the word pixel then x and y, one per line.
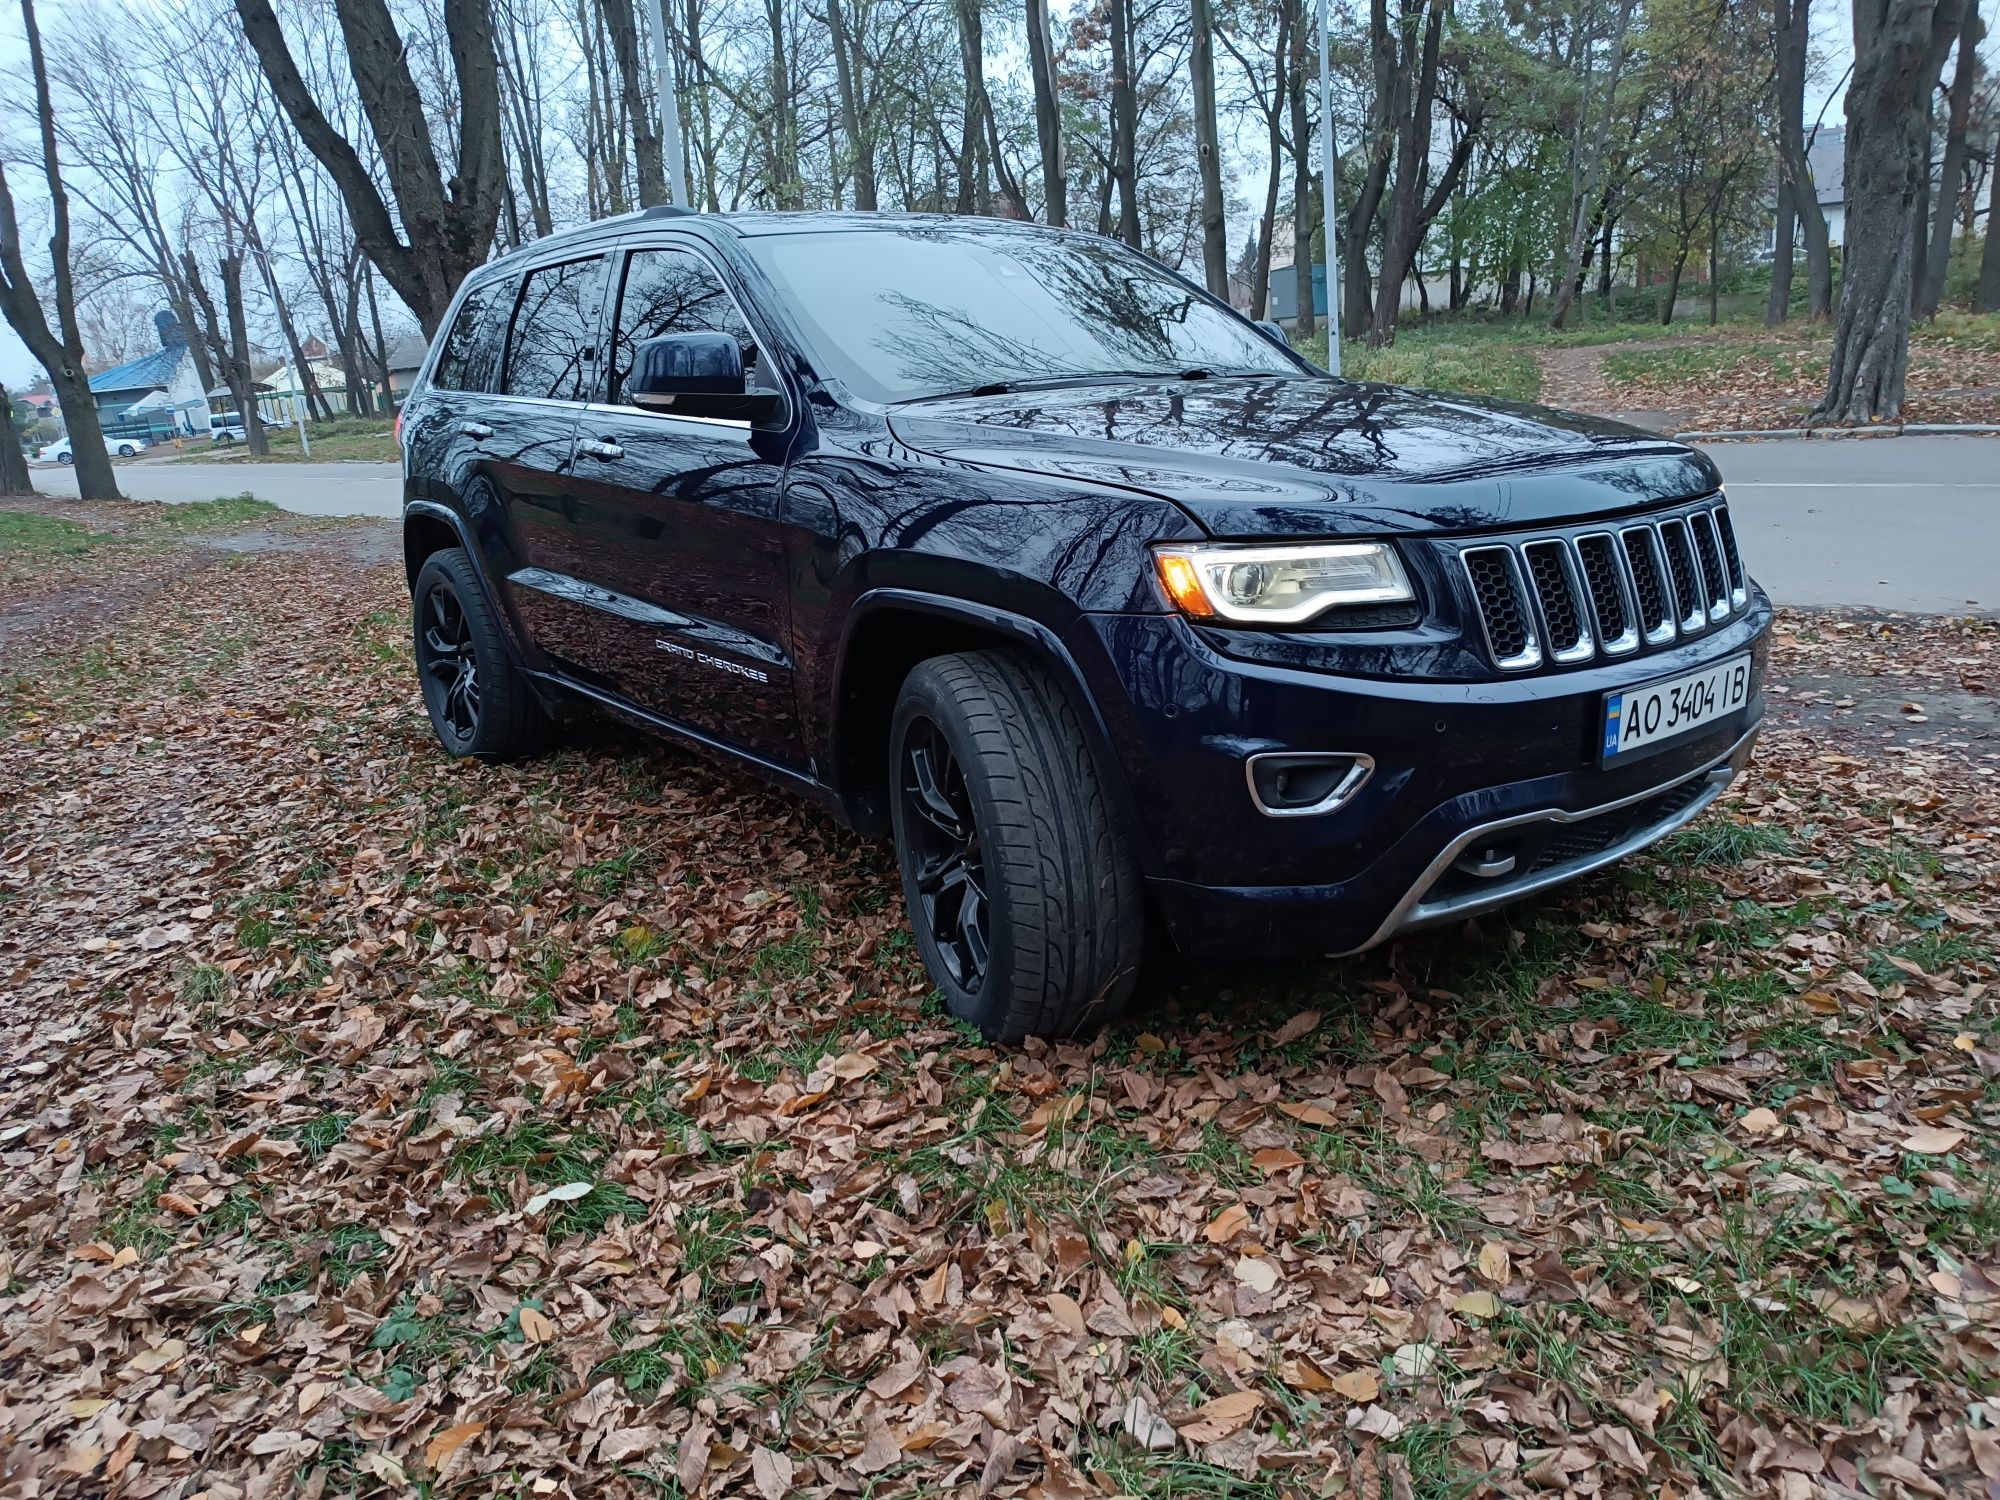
pixel 1897 523
pixel 346 489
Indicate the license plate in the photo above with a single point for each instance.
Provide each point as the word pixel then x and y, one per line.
pixel 1645 718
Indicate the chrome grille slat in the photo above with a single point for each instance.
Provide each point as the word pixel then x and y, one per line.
pixel 1559 593
pixel 1504 611
pixel 1708 551
pixel 1690 609
pixel 1608 587
pixel 1739 586
pixel 1571 597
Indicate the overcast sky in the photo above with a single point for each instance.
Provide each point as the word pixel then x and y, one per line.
pixel 17 367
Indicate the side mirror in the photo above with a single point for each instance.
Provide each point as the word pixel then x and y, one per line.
pixel 696 375
pixel 1274 333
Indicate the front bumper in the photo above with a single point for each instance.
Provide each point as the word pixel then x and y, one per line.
pixel 1504 768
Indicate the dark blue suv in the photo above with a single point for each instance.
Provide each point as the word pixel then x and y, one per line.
pixel 1116 613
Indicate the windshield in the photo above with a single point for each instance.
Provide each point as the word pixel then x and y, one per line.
pixel 898 314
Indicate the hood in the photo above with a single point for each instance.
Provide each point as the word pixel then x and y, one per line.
pixel 1314 457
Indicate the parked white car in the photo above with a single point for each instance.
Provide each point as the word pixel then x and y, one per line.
pixel 59 452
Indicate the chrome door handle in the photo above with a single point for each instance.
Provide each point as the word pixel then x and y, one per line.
pixel 475 430
pixel 604 450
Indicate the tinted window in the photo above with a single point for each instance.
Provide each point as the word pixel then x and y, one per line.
pixel 674 291
pixel 470 358
pixel 554 347
pixel 912 312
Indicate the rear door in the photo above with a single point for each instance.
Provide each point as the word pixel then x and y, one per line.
pixel 550 371
pixel 444 418
pixel 680 519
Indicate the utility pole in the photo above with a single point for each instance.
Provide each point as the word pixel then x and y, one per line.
pixel 1327 174
pixel 670 111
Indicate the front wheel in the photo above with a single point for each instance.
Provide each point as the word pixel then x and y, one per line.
pixel 1021 886
pixel 480 703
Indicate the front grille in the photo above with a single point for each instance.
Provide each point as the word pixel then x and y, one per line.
pixel 1503 606
pixel 1572 599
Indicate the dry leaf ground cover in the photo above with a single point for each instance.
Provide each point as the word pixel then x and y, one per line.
pixel 374 1124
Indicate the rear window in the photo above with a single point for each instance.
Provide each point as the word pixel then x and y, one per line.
pixel 553 351
pixel 470 358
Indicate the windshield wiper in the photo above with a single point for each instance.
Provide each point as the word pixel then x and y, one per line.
pixel 1053 382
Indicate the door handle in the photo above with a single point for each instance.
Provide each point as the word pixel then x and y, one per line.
pixel 604 450
pixel 475 430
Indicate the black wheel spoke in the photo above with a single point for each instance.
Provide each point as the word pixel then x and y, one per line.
pixel 448 663
pixel 947 871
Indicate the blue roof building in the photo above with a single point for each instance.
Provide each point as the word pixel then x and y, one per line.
pixel 154 390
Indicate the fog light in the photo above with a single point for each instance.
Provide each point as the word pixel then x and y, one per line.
pixel 1288 785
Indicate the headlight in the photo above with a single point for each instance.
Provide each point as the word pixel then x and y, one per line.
pixel 1280 585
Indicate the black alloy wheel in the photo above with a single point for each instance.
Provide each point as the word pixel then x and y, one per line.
pixel 480 703
pixel 949 875
pixel 448 662
pixel 1022 890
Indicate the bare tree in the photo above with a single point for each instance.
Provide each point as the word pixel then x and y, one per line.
pixel 1593 165
pixel 1798 196
pixel 1958 122
pixel 446 226
pixel 1899 52
pixel 1048 114
pixel 1124 122
pixel 59 350
pixel 228 340
pixel 1208 149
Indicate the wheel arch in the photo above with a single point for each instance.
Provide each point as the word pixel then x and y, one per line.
pixel 888 632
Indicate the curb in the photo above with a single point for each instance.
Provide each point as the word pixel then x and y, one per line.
pixel 1885 430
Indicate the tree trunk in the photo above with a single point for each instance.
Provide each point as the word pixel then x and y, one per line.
pixel 1958 118
pixel 1987 298
pixel 1714 269
pixel 1302 189
pixel 1899 51
pixel 1792 35
pixel 446 224
pixel 59 351
pixel 1208 150
pixel 1593 166
pixel 860 142
pixel 243 383
pixel 621 24
pixel 975 191
pixel 14 476
pixel 1779 306
pixel 1124 122
pixel 1357 309
pixel 1048 115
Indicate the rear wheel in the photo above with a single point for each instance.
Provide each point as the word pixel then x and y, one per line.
pixel 480 703
pixel 1020 882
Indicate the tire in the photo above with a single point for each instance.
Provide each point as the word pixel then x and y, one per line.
pixel 1031 920
pixel 480 704
pixel 65 458
pixel 126 450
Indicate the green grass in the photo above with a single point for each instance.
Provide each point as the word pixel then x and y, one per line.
pixel 1712 362
pixel 212 515
pixel 344 439
pixel 24 533
pixel 1441 360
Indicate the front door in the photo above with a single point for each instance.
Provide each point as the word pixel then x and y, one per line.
pixel 679 518
pixel 551 369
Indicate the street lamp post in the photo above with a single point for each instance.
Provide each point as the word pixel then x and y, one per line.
pixel 1327 173
pixel 678 190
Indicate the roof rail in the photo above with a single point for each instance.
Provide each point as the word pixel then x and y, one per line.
pixel 666 211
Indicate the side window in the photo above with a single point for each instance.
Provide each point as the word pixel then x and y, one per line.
pixel 470 358
pixel 674 291
pixel 553 351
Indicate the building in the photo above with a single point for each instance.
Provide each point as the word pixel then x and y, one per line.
pixel 156 394
pixel 406 358
pixel 1826 161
